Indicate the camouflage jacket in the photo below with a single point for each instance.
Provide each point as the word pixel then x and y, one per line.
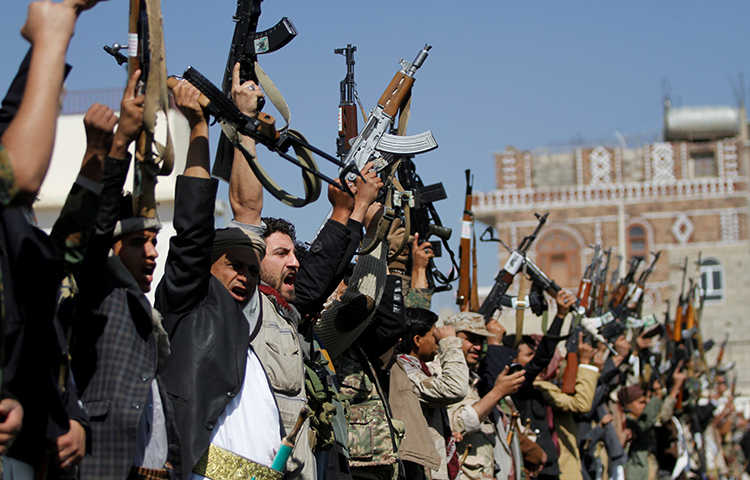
pixel 373 432
pixel 481 436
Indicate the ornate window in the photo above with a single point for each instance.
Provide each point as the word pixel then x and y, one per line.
pixel 558 255
pixel 712 279
pixel 703 161
pixel 637 244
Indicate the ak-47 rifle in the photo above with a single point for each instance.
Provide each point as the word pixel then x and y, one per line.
pixel 580 307
pixel 626 285
pixel 679 322
pixel 681 310
pixel 627 305
pixel 719 359
pixel 512 266
pixel 146 52
pixel 615 276
pixel 347 106
pixel 668 328
pixel 540 281
pixel 247 44
pixel 600 286
pixel 374 143
pixel 618 309
pixel 263 130
pixel 463 299
pixel 635 301
pixel 583 296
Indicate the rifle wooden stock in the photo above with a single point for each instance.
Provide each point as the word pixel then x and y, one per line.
pixel 690 317
pixel 474 301
pixel 396 93
pixel 677 332
pixel 570 374
pixel 617 295
pixel 348 123
pixel 584 291
pixel 464 251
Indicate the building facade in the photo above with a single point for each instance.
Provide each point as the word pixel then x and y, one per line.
pixel 686 197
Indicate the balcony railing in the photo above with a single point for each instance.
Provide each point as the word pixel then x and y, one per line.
pixel 606 193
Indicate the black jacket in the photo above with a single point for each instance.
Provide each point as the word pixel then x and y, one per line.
pixel 208 331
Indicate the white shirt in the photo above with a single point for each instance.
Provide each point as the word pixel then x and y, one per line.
pixel 249 425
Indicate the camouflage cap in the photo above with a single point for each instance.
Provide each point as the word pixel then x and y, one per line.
pixel 468 322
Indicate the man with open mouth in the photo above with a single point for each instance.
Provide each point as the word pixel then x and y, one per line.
pixel 118 337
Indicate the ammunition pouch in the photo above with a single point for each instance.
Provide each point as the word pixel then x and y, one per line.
pixel 370 440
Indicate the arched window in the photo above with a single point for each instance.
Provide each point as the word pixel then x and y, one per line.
pixel 637 244
pixel 712 280
pixel 558 255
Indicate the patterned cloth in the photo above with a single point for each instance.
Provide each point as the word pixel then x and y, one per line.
pixel 370 435
pixel 8 185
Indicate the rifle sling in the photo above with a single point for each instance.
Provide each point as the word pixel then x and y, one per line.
pixel 273 94
pixel 155 100
pixel 310 181
pixel 384 224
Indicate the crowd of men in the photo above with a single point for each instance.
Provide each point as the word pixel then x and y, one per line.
pixel 255 337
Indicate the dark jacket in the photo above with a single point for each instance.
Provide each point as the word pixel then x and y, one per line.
pixel 115 350
pixel 208 331
pixel 34 343
pixel 37 315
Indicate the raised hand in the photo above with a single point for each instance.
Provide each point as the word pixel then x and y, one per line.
pixel 509 384
pixel 131 118
pixel 245 95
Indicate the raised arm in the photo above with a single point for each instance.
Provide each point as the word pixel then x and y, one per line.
pixel 453 383
pixel 245 190
pixel 341 324
pixel 188 267
pixel 30 136
pixel 75 225
pixel 113 178
pixel 324 265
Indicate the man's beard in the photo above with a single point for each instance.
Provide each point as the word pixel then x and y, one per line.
pixel 276 280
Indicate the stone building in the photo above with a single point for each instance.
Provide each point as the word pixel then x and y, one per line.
pixel 685 196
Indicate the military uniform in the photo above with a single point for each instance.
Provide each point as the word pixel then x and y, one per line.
pixel 437 392
pixel 481 435
pixel 374 434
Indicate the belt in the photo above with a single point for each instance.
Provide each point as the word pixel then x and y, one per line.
pixel 220 464
pixel 143 473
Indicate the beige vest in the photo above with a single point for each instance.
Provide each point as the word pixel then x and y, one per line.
pixel 278 349
pixel 417 445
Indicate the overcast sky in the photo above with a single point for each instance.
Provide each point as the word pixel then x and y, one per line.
pixel 521 73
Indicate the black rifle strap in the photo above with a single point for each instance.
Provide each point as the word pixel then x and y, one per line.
pixel 305 158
